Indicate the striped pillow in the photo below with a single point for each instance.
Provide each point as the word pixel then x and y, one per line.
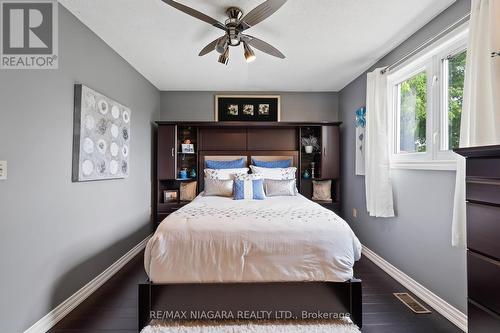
pixel 248 189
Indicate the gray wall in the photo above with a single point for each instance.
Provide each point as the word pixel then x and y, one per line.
pixel 56 235
pixel 418 240
pixel 295 106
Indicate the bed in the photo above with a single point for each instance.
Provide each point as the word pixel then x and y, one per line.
pixel 287 238
pixel 284 257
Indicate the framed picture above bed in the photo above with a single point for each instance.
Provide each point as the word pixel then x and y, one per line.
pixel 247 108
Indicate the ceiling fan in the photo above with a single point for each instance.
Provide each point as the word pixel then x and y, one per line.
pixel 234 27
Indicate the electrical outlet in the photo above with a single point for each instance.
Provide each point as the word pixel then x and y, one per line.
pixel 3 170
pixel 355 212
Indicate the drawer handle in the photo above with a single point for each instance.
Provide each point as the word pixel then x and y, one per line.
pixel 173 152
pixel 483 181
pixel 489 260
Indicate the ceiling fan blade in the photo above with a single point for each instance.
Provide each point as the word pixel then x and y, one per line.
pixel 195 13
pixel 260 13
pixel 262 46
pixel 209 48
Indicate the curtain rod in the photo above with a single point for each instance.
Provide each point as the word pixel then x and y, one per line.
pixel 427 43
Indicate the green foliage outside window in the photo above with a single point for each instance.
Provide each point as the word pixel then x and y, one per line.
pixel 456 75
pixel 413 114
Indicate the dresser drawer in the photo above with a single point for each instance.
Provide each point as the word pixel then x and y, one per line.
pixel 483 229
pixel 483 167
pixel 483 190
pixel 483 275
pixel 481 321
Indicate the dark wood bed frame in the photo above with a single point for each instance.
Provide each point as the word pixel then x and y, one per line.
pixel 274 300
pixel 280 300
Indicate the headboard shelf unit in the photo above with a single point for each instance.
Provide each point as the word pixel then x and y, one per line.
pixel 187 161
pixel 244 139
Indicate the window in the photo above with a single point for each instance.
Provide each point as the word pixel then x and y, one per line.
pixel 413 114
pixel 425 100
pixel 455 65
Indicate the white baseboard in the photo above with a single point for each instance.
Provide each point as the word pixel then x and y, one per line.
pixel 437 303
pixel 58 313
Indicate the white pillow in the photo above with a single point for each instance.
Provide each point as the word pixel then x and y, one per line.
pixel 275 173
pixel 218 187
pixel 280 188
pixel 224 174
pixel 247 176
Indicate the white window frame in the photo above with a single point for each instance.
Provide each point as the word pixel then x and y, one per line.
pixel 432 60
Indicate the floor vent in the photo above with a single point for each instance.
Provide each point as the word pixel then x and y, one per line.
pixel 412 303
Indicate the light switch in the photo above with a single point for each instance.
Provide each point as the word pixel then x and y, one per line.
pixel 3 170
pixel 355 213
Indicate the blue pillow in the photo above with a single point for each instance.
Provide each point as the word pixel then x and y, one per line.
pixel 249 189
pixel 272 164
pixel 234 164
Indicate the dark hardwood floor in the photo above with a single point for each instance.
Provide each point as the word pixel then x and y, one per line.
pixel 113 308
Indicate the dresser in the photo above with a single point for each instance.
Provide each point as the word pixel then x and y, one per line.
pixel 483 237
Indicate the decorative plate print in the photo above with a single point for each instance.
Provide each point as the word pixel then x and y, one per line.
pixel 114 131
pixel 126 116
pixel 103 107
pixel 102 146
pixel 114 149
pixel 125 151
pixel 115 112
pixel 88 146
pixel 87 167
pixel 113 167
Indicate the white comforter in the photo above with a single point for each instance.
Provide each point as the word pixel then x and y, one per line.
pixel 215 239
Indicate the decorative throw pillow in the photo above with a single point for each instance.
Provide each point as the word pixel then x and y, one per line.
pixel 234 164
pixel 247 176
pixel 275 173
pixel 276 188
pixel 218 187
pixel 322 190
pixel 249 189
pixel 188 191
pixel 224 174
pixel 272 164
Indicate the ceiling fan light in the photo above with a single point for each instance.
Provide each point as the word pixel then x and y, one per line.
pixel 224 57
pixel 249 53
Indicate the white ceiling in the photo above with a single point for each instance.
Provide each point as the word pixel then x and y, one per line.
pixel 328 43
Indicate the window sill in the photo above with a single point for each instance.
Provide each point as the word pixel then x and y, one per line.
pixel 444 165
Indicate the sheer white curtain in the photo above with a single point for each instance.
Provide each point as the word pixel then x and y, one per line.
pixel 480 124
pixel 379 198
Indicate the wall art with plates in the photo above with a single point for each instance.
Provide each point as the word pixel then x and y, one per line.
pixel 101 137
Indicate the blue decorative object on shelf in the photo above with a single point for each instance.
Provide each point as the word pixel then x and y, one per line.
pixel 306 174
pixel 183 174
pixel 193 173
pixel 361 117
